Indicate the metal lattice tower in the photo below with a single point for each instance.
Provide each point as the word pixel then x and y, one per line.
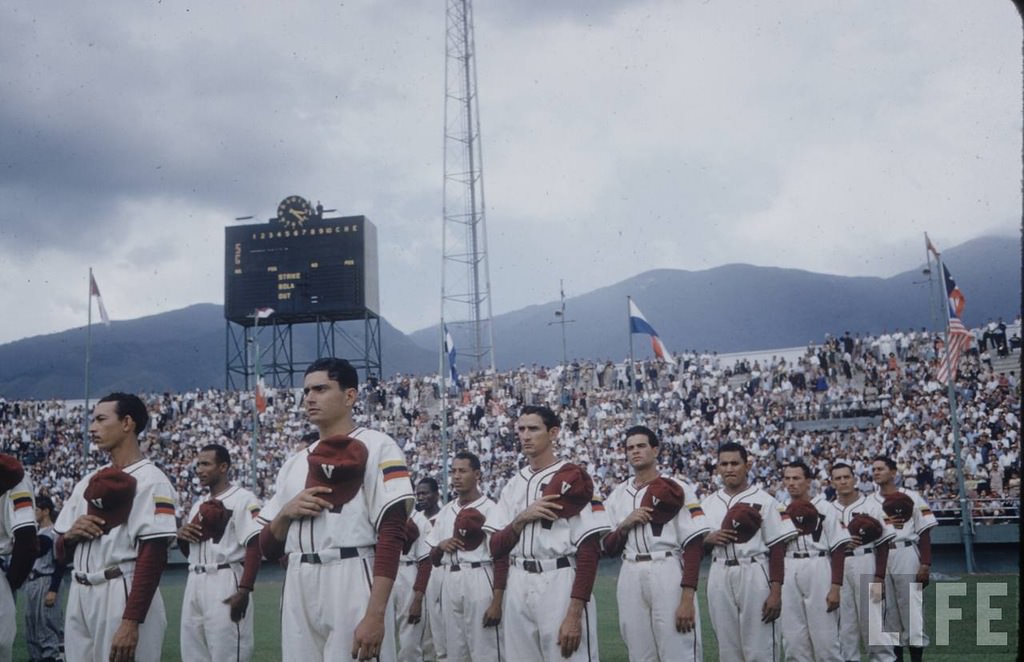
pixel 465 273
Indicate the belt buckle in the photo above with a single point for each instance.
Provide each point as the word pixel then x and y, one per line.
pixel 82 579
pixel 531 565
pixel 643 557
pixel 455 567
pixel 732 563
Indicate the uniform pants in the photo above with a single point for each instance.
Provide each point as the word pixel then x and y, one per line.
pixel 535 606
pixel 736 595
pixel 465 597
pixel 904 599
pixel 857 613
pixel 44 626
pixel 207 632
pixel 648 594
pixel 433 631
pixel 410 636
pixel 8 621
pixel 321 605
pixel 94 615
pixel 810 633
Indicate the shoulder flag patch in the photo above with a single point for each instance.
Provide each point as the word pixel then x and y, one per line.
pixel 695 510
pixel 163 505
pixel 21 500
pixel 393 469
pixel 254 510
pixel 597 505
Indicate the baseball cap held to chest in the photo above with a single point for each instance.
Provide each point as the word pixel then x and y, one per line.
pixel 109 496
pixel 11 472
pixel 744 519
pixel 573 487
pixel 213 519
pixel 665 497
pixel 469 528
pixel 338 463
pixel 804 516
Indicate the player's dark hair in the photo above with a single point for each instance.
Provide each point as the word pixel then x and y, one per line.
pixel 44 502
pixel 802 466
pixel 732 447
pixel 474 461
pixel 841 465
pixel 127 404
pixel 431 483
pixel 652 438
pixel 889 462
pixel 219 452
pixel 547 416
pixel 338 370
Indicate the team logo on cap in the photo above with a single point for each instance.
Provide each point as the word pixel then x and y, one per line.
pixel 328 470
pixel 655 500
pixel 566 487
pixel 98 503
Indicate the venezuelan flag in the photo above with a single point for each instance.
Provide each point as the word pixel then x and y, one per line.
pixel 21 500
pixel 393 469
pixel 163 505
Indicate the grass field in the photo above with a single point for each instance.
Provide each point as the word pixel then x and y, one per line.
pixel 962 633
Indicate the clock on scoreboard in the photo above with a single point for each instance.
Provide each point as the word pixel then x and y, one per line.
pixel 302 265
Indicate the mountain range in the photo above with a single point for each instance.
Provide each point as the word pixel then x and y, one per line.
pixel 729 308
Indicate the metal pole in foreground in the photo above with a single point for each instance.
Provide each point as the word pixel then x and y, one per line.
pixel 255 407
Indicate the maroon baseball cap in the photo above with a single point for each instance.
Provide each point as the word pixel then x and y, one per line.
pixel 340 464
pixel 109 496
pixel 469 528
pixel 573 487
pixel 804 516
pixel 744 519
pixel 212 518
pixel 11 472
pixel 665 497
pixel 865 527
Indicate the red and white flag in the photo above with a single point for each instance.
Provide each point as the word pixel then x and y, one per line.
pixel 958 337
pixel 261 396
pixel 94 291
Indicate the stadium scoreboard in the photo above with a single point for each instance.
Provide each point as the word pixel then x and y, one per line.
pixel 304 267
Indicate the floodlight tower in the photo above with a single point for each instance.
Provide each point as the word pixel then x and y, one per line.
pixel 465 272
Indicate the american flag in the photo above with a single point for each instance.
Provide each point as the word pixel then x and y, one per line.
pixel 958 337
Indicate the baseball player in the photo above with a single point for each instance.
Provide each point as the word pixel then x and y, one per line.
pixel 910 559
pixel 865 565
pixel 815 560
pixel 658 528
pixel 428 500
pixel 748 554
pixel 410 586
pixel 44 628
pixel 472 584
pixel 117 525
pixel 555 525
pixel 220 538
pixel 338 512
pixel 17 539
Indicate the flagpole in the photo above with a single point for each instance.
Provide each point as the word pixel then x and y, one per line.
pixel 254 444
pixel 631 373
pixel 966 524
pixel 931 280
pixel 444 411
pixel 88 346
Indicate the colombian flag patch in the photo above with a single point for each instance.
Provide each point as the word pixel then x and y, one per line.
pixel 254 511
pixel 597 505
pixel 393 469
pixel 21 500
pixel 695 510
pixel 163 505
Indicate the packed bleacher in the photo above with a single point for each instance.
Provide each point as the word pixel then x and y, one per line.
pixel 847 398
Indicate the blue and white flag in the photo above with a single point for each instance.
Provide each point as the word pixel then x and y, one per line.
pixel 639 324
pixel 449 349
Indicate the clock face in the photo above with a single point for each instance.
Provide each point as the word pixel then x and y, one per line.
pixel 293 212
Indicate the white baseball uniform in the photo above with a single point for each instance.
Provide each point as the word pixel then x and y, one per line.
pixel 96 603
pixel 468 585
pixel 207 631
pixel 330 556
pixel 433 616
pixel 855 615
pixel 410 635
pixel 44 626
pixel 809 631
pixel 543 568
pixel 738 579
pixel 904 597
pixel 649 587
pixel 17 511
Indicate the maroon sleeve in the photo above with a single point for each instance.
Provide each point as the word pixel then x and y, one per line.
pixel 924 547
pixel 271 547
pixel 149 565
pixel 251 565
pixel 422 576
pixel 501 573
pixel 777 562
pixel 62 550
pixel 436 555
pixel 503 541
pixel 693 552
pixel 183 546
pixel 587 555
pixel 390 539
pixel 23 556
pixel 881 560
pixel 614 543
pixel 838 562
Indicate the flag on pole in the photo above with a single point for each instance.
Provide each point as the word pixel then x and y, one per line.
pixel 958 338
pixel 930 246
pixel 264 313
pixel 449 349
pixel 639 324
pixel 94 291
pixel 261 396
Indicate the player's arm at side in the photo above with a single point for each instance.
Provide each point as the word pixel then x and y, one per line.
pixel 23 555
pixel 390 540
pixel 570 634
pixel 149 566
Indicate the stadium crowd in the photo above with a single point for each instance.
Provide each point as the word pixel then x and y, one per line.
pixel 847 399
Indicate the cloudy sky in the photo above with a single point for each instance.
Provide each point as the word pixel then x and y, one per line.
pixel 617 137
